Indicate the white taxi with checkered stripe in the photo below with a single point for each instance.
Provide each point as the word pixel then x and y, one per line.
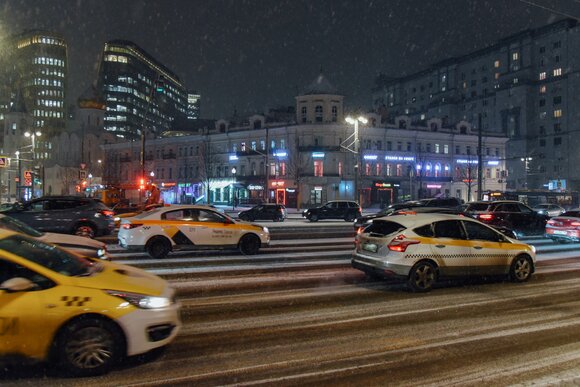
pixel 82 314
pixel 421 248
pixel 184 227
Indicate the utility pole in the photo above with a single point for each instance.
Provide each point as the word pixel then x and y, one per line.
pixel 479 159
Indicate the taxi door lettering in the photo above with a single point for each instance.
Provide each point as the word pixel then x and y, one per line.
pixel 8 326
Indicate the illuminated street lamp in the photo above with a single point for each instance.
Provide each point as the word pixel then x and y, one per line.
pixel 19 185
pixel 355 121
pixel 234 171
pixel 526 161
pixel 33 136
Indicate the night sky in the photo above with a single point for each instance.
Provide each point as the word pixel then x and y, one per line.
pixel 250 55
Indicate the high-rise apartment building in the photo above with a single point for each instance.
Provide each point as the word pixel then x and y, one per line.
pixel 193 105
pixel 524 86
pixel 34 77
pixel 140 93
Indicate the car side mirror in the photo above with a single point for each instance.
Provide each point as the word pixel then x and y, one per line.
pixel 17 284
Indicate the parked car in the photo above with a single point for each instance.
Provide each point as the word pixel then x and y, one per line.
pixel 65 214
pixel 509 214
pixel 549 209
pixel 189 227
pixel 77 244
pixel 266 211
pixel 136 211
pixel 422 248
pixel 335 209
pixel 439 203
pixel 564 228
pixel 82 315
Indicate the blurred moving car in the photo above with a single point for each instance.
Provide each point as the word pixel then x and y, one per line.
pixel 65 214
pixel 510 214
pixel 438 203
pixel 335 209
pixel 83 315
pixel 80 245
pixel 265 211
pixel 187 227
pixel 564 228
pixel 549 209
pixel 423 248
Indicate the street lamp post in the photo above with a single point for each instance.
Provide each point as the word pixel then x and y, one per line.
pixel 33 136
pixel 234 188
pixel 526 161
pixel 356 151
pixel 19 185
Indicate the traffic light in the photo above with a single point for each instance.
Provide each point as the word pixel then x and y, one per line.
pixel 141 183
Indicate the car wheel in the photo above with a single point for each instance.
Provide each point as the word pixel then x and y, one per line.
pixel 249 244
pixel 85 230
pixel 158 247
pixel 88 347
pixel 521 269
pixel 422 277
pixel 349 218
pixel 313 218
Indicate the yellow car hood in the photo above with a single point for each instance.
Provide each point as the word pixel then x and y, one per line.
pixel 114 276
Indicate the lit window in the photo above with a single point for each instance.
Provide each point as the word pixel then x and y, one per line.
pixel 515 56
pixel 542 75
pixel 558 72
pixel 340 168
pixel 543 89
pixel 558 113
pixel 318 168
pixel 496 64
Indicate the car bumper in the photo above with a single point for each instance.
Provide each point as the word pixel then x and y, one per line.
pixel 380 267
pixel 147 329
pixel 568 236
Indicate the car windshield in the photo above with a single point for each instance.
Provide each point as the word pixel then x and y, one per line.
pixel 16 225
pixel 47 256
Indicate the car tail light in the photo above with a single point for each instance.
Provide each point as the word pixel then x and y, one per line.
pixel 575 224
pixel 400 243
pixel 107 212
pixel 551 222
pixel 129 226
pixel 486 216
pixel 408 213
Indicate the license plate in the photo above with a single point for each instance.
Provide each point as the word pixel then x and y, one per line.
pixel 370 247
pixel 560 232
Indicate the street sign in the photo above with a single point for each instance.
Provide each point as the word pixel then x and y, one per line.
pixel 82 174
pixel 3 161
pixel 83 165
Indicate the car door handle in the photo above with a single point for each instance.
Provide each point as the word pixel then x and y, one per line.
pixel 440 246
pixel 478 247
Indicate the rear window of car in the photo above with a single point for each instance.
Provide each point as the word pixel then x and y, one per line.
pixel 384 227
pixel 575 214
pixel 477 207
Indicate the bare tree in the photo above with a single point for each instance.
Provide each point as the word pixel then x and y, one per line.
pixel 296 167
pixel 207 159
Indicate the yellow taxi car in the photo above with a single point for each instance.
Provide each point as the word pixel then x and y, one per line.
pixel 183 227
pixel 83 315
pixel 421 248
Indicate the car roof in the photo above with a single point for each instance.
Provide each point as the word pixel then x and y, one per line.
pixel 412 220
pixel 4 232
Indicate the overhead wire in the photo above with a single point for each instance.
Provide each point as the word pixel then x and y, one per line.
pixel 552 10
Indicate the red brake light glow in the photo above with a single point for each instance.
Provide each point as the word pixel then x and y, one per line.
pixel 107 212
pixel 486 216
pixel 400 243
pixel 575 224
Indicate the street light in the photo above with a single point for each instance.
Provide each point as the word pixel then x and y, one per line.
pixel 526 161
pixel 33 136
pixel 19 185
pixel 355 121
pixel 234 170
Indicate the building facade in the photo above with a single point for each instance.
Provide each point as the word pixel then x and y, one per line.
pixel 307 160
pixel 139 92
pixel 522 87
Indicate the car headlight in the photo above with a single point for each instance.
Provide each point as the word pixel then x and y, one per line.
pixel 117 219
pixel 265 229
pixel 140 300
